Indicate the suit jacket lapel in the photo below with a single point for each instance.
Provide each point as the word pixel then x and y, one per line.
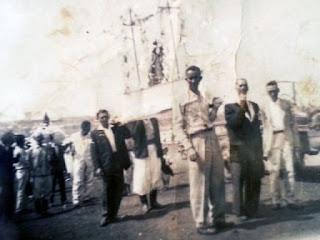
pixel 100 133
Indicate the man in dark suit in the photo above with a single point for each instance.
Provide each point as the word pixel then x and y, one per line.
pixel 246 153
pixel 110 156
pixel 58 168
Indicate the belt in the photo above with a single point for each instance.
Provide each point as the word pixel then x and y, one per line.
pixel 151 141
pixel 278 131
pixel 201 131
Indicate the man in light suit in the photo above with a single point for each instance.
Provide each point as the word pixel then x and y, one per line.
pixel 280 140
pixel 246 156
pixel 110 156
pixel 194 130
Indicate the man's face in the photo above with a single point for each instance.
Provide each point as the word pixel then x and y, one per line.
pixel 193 78
pixel 273 93
pixel 242 86
pixel 85 130
pixel 104 119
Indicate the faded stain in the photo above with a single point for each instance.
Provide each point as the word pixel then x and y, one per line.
pixel 309 92
pixel 64 31
pixel 308 87
pixel 66 14
pixel 66 17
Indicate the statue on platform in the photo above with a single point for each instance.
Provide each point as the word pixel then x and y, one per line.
pixel 156 69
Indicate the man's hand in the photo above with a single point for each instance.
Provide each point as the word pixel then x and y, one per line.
pixel 192 154
pixel 113 121
pixel 243 104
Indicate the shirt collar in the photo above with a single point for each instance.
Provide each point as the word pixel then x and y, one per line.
pixel 100 127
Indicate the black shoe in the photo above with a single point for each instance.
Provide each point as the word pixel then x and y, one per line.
pixel 105 221
pixel 295 206
pixel 207 231
pixel 223 225
pixel 157 206
pixel 276 206
pixel 46 214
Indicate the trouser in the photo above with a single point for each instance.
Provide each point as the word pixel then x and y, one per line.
pixel 7 199
pixel 246 192
pixel 22 176
pixel 42 186
pixel 112 193
pixel 152 198
pixel 58 177
pixel 41 205
pixel 207 189
pixel 83 175
pixel 281 158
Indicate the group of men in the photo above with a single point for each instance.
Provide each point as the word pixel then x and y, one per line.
pixel 101 152
pixel 40 165
pixel 194 117
pixel 104 152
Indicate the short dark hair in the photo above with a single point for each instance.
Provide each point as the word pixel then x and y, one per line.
pixel 194 68
pixel 7 137
pixel 272 83
pixel 85 123
pixel 20 139
pixel 102 111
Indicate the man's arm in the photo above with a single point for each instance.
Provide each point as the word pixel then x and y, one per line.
pixel 155 124
pixel 266 136
pixel 295 132
pixel 180 133
pixel 94 151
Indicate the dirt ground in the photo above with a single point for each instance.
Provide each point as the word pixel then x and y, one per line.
pixel 175 222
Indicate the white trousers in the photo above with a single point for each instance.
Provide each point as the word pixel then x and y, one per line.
pixel 206 175
pixel 22 176
pixel 281 158
pixel 83 176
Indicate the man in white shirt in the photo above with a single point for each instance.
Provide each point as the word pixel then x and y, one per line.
pixel 194 130
pixel 83 171
pixel 280 140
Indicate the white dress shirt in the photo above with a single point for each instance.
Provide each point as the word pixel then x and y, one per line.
pixel 108 132
pixel 276 116
pixel 81 145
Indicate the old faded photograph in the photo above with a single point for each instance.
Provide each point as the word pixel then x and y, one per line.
pixel 160 120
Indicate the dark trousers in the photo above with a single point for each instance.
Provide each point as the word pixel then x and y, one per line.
pixel 41 205
pixel 7 199
pixel 112 193
pixel 58 177
pixel 153 198
pixel 246 192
